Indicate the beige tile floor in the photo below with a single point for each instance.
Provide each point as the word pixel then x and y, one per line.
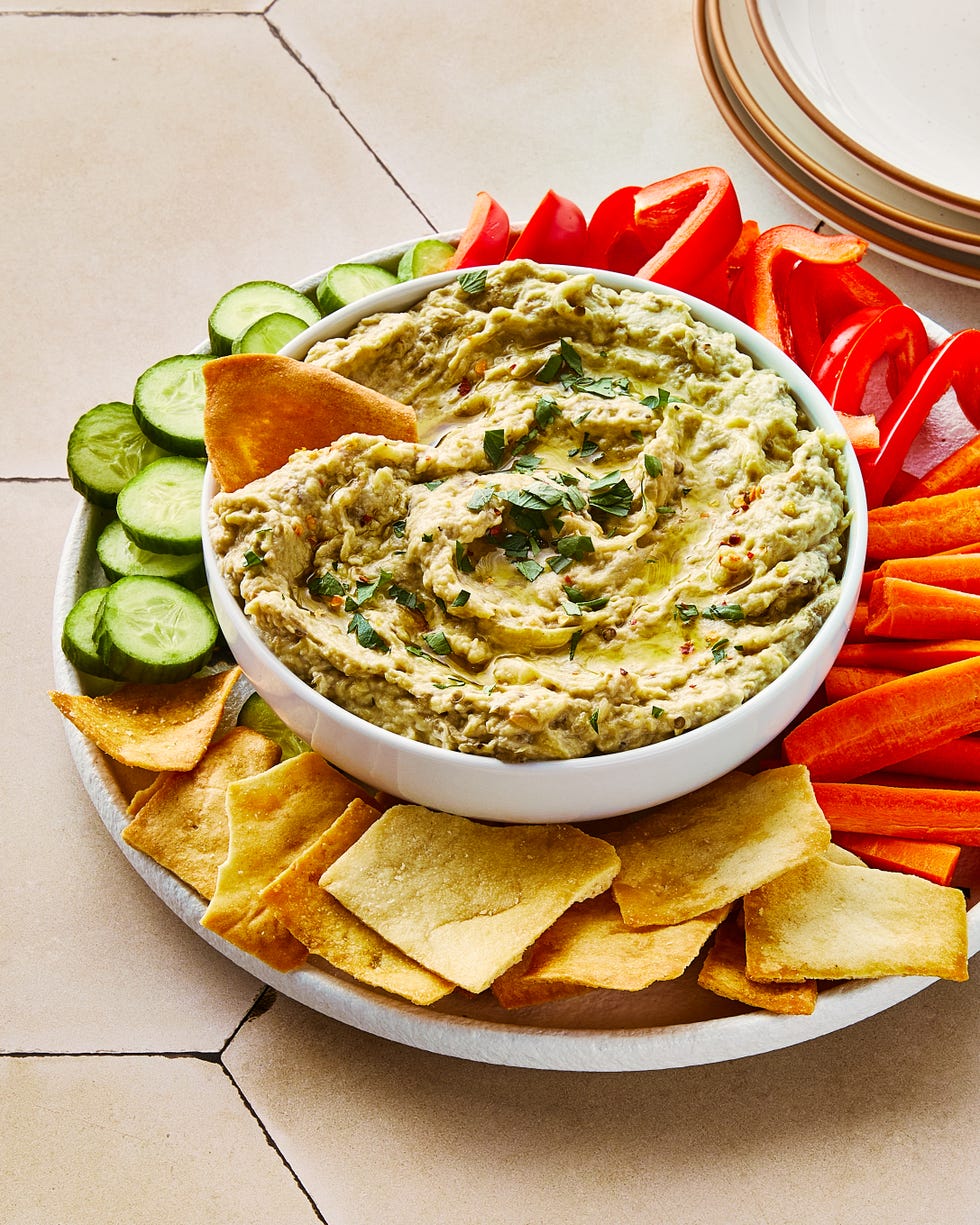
pixel 154 155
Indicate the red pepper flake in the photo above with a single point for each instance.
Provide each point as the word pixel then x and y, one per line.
pixel 367 519
pixel 687 647
pixel 465 387
pixel 623 672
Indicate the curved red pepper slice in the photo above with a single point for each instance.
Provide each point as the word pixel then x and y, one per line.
pixel 486 237
pixel 843 366
pixel 819 296
pixel 555 233
pixel 760 293
pixel 689 224
pixel 613 241
pixel 955 363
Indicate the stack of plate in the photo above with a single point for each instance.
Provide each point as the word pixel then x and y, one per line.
pixel 867 113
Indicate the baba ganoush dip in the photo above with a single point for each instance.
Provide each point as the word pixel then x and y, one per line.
pixel 614 528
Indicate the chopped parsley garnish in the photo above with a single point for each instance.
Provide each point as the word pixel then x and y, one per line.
pixel 461 598
pixel 718 650
pixel 576 602
pixel 451 682
pixel 365 590
pixel 326 584
pixel 570 356
pixel 437 642
pixel 657 711
pixel 527 463
pixel 404 597
pixel 529 568
pixel 686 613
pixel 606 386
pixel 549 371
pixel 653 465
pixel 367 635
pixel 573 642
pixel 482 497
pixel 427 537
pixel 574 547
pixel 494 444
pixel 463 563
pixel 594 720
pixel 435 484
pixel 666 510
pixel 545 411
pixel 252 558
pixel 535 497
pixel 398 528
pixel 559 564
pixel 611 494
pixel 724 612
pixel 660 400
pixel 473 282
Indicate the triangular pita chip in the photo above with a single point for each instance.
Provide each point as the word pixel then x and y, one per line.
pixel 462 898
pixel 330 931
pixel 723 972
pixel 261 407
pixel 272 817
pixel 183 824
pixel 709 848
pixel 157 727
pixel 829 920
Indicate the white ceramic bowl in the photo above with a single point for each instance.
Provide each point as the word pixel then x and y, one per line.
pixel 585 788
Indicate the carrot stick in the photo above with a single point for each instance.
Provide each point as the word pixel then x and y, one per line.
pixel 935 861
pixel 841 682
pixel 898 608
pixel 892 778
pixel 958 760
pixel 956 471
pixel 874 729
pixel 940 815
pixel 861 430
pixel 958 571
pixel 857 630
pixel 907 656
pixel 925 525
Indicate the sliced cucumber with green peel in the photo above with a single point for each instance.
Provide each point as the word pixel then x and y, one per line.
pixel 106 448
pixel 151 630
pixel 425 257
pixel 257 714
pixel 346 283
pixel 78 635
pixel 120 557
pixel 269 334
pixel 168 403
pixel 160 508
pixel 247 303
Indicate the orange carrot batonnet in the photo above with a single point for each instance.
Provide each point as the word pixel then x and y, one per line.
pixel 925 525
pixel 957 471
pixel 871 730
pixel 907 655
pixel 935 861
pixel 842 682
pixel 899 608
pixel 957 571
pixel 957 760
pixel 946 815
pixel 857 630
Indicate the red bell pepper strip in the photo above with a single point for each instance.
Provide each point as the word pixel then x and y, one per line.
pixel 760 294
pixel 486 237
pixel 843 366
pixel 555 233
pixel 613 241
pixel 955 363
pixel 689 224
pixel 819 296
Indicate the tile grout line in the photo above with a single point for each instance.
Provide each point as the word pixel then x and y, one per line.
pixel 301 63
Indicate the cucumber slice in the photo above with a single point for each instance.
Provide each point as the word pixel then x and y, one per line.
pixel 106 448
pixel 245 304
pixel 78 635
pixel 425 257
pixel 120 556
pixel 269 334
pixel 346 283
pixel 151 630
pixel 257 714
pixel 160 508
pixel 169 403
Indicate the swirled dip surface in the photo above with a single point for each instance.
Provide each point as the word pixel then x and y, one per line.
pixel 614 530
